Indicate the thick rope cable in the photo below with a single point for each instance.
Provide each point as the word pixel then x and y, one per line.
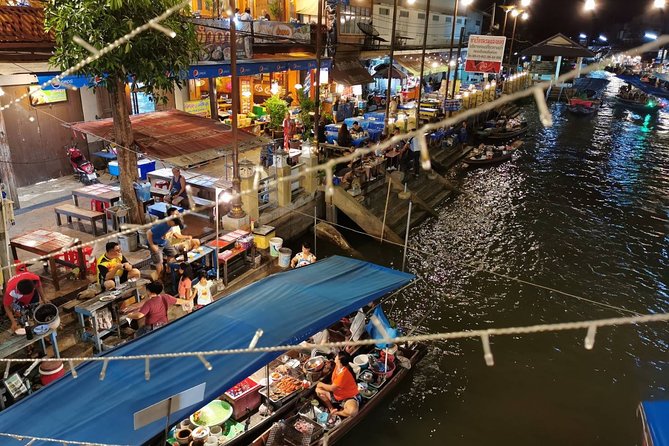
pixel 507 331
pixel 535 91
pixel 478 267
pixel 54 440
pixel 96 54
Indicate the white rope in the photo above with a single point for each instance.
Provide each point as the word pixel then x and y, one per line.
pixel 96 54
pixel 54 440
pixel 507 331
pixel 474 266
pixel 360 152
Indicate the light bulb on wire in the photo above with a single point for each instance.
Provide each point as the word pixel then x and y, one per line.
pixel 589 5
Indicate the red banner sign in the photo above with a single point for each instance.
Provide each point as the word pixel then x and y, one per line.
pixel 481 66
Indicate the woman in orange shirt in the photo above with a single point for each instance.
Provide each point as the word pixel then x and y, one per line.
pixel 343 391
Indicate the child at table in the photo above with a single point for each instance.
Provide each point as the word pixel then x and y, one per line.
pixel 185 287
pixel 203 290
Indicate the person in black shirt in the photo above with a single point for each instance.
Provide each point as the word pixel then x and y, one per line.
pixel 344 138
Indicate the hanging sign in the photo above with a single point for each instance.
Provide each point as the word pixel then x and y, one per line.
pixel 485 54
pixel 200 108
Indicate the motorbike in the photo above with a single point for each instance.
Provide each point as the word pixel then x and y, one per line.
pixel 83 169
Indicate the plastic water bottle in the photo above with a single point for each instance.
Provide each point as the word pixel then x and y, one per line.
pixel 117 281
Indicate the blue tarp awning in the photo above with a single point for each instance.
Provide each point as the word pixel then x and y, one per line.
pixel 289 307
pixel 248 68
pixel 646 87
pixel 656 416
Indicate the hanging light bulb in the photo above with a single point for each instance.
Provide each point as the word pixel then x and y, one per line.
pixel 589 5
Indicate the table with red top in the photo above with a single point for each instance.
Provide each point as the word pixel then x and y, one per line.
pixel 100 192
pixel 42 243
pixel 227 250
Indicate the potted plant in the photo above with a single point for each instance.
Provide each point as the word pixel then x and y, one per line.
pixel 307 107
pixel 277 108
pixel 275 10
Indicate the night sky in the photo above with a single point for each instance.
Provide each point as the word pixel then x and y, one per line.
pixel 548 17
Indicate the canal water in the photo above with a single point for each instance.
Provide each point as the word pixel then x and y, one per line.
pixel 579 211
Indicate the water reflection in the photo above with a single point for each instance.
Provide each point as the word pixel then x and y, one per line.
pixel 580 211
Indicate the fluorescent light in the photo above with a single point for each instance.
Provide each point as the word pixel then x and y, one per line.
pixel 651 36
pixel 582 36
pixel 603 38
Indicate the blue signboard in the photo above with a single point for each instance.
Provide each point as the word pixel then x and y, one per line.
pixel 251 68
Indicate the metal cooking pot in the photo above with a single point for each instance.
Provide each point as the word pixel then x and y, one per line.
pixel 47 314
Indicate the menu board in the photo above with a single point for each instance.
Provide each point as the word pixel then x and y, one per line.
pixel 247 96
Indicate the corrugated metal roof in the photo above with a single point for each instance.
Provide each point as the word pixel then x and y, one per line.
pixel 176 137
pixel 23 24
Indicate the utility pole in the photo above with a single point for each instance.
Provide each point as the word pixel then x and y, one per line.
pixel 422 61
pixel 236 210
pixel 317 81
pixel 6 166
pixel 457 61
pixel 450 49
pixel 390 63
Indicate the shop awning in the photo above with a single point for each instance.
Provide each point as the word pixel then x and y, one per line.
pixel 289 307
pixel 176 137
pixel 248 68
pixel 349 71
pixel 434 63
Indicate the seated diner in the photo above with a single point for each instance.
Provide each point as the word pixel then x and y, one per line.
pixel 112 265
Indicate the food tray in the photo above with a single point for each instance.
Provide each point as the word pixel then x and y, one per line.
pixel 297 438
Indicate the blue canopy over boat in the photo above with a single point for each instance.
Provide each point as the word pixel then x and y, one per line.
pixel 644 86
pixel 289 307
pixel 656 422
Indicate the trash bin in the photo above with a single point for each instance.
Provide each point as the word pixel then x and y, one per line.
pixel 128 242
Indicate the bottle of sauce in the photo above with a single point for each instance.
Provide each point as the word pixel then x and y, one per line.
pixel 29 331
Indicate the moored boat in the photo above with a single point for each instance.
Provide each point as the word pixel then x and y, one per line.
pixel 135 401
pixel 583 107
pixel 309 425
pixel 636 99
pixel 490 155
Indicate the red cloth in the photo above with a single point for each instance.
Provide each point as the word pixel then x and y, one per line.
pixel 155 309
pixel 12 294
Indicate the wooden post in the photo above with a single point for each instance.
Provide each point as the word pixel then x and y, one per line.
pixel 6 166
pixel 127 159
pixel 213 104
pixel 390 65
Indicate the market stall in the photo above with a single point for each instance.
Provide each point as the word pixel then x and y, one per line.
pixel 277 304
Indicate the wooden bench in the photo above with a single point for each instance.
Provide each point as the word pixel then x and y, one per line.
pixel 70 210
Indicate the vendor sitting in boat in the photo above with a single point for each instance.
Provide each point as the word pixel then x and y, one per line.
pixel 343 392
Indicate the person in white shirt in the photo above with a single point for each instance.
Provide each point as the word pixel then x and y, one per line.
pixel 203 290
pixel 245 23
pixel 304 257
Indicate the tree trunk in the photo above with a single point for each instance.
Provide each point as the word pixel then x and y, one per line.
pixel 127 159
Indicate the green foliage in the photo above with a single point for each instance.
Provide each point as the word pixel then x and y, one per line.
pixel 275 10
pixel 307 108
pixel 277 108
pixel 150 58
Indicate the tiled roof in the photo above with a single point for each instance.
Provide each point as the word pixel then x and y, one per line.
pixel 22 24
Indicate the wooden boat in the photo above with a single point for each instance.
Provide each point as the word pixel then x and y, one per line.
pixel 649 104
pixel 505 135
pixel 499 155
pixel 583 107
pixel 414 353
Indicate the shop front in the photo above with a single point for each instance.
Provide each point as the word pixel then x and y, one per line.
pixel 257 82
